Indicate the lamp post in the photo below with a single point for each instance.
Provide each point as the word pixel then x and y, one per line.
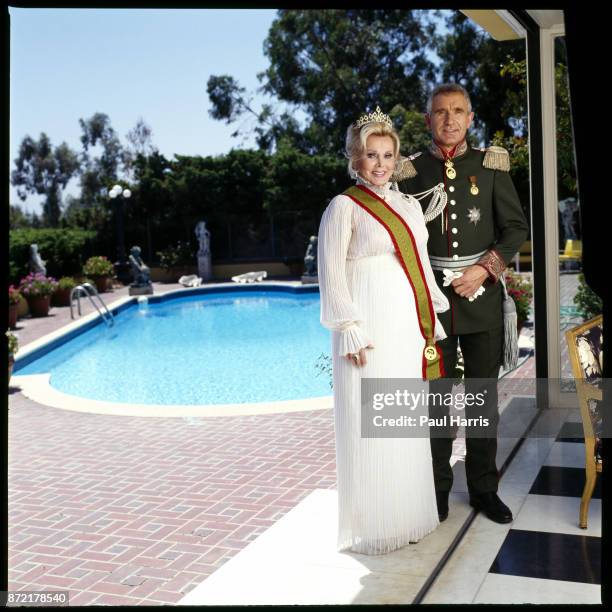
pixel 122 267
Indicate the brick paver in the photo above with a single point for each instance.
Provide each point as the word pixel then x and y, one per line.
pixel 132 511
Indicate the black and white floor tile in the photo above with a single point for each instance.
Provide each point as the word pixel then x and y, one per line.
pixel 542 557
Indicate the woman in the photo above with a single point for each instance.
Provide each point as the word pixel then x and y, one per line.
pixel 382 328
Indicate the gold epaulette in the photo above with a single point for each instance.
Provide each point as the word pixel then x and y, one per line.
pixel 405 168
pixel 496 158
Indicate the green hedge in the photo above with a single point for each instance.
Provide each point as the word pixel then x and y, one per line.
pixel 63 250
pixel 588 303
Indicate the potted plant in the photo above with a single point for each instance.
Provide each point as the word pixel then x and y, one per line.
pixel 520 289
pixel 175 260
pixel 14 298
pixel 65 285
pixel 100 269
pixel 37 289
pixel 13 345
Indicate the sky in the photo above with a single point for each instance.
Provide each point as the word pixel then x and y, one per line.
pixel 68 64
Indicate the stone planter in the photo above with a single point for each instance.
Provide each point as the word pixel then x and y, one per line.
pixel 39 305
pixel 101 282
pixel 11 361
pixel 12 317
pixel 22 308
pixel 61 297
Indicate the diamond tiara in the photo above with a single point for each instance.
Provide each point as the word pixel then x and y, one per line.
pixel 376 117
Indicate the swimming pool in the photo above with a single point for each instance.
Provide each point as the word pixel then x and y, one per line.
pixel 226 346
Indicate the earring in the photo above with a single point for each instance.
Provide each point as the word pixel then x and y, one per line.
pixel 352 172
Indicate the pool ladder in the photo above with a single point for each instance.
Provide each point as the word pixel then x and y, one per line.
pixel 90 291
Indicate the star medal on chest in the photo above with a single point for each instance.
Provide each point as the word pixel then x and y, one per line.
pixel 474 188
pixel 450 170
pixel 473 215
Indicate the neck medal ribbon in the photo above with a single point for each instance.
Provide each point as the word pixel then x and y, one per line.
pixel 405 247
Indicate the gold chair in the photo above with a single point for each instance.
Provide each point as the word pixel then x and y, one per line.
pixel 585 349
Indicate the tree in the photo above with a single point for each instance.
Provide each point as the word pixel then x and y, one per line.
pixel 412 130
pixel 333 65
pixel 469 56
pixel 45 171
pixel 230 102
pixel 19 219
pixel 99 173
pixel 139 143
pixel 518 145
pixel 568 186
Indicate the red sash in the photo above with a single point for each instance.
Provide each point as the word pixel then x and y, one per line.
pixel 406 249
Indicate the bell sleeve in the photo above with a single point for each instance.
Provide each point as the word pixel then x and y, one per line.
pixel 338 312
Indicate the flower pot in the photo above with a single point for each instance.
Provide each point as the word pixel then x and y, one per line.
pixel 22 308
pixel 11 361
pixel 101 282
pixel 12 321
pixel 61 297
pixel 39 305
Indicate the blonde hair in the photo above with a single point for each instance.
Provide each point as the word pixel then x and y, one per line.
pixel 357 138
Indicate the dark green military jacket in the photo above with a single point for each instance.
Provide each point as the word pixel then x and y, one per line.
pixel 491 219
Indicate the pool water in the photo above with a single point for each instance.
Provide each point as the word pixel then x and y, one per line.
pixel 245 346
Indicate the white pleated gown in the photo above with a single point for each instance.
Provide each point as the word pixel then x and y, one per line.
pixel 386 495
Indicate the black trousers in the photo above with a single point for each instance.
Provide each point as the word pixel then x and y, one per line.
pixel 482 357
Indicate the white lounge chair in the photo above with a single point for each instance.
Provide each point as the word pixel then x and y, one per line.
pixel 250 277
pixel 190 280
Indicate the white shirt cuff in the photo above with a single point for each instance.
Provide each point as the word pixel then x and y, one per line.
pixel 439 333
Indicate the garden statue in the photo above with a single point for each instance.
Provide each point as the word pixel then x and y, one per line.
pixel 310 262
pixel 36 262
pixel 204 264
pixel 141 273
pixel 568 209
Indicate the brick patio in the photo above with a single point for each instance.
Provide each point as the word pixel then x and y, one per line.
pixel 127 510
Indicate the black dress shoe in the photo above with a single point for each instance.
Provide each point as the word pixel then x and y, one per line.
pixel 442 503
pixel 493 507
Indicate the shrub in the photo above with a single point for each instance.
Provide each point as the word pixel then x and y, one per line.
pixel 63 250
pixel 521 291
pixel 13 343
pixel 37 285
pixel 99 265
pixel 171 256
pixel 588 303
pixel 13 295
pixel 66 282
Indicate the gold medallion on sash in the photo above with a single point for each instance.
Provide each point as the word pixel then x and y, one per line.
pixel 430 353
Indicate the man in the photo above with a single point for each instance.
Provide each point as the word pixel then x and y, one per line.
pixel 477 233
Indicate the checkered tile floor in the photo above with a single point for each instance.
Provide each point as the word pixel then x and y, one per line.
pixel 542 557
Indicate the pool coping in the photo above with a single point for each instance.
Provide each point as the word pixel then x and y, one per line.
pixel 37 387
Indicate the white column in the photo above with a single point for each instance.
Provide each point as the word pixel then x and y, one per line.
pixel 551 206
